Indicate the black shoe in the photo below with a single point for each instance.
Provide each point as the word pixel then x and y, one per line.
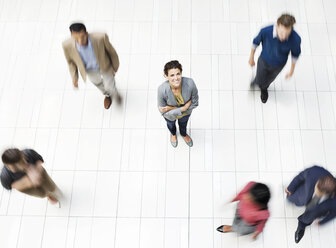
pixel 264 96
pixel 220 228
pixel 299 234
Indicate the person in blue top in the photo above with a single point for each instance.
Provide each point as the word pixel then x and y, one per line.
pixel 278 41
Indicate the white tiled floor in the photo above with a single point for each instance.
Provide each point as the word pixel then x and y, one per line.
pixel 124 185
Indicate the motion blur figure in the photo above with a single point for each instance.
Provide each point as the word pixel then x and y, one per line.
pixel 313 188
pixel 278 41
pixel 93 55
pixel 24 172
pixel 252 210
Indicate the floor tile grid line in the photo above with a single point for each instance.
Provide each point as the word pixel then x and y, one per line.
pixel 145 136
pixel 2 3
pixel 281 171
pixel 53 159
pixel 123 135
pixel 57 133
pixel 323 139
pixel 167 144
pixel 24 199
pixel 127 218
pixel 332 61
pixel 175 171
pixel 299 124
pixel 189 154
pixel 197 129
pixel 174 21
pixel 97 168
pixel 212 143
pixel 318 101
pixel 256 133
pixel 96 177
pixel 74 175
pixel 234 131
pixel 2 92
pixel 202 90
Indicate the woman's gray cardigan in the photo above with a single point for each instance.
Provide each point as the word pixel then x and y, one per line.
pixel 166 97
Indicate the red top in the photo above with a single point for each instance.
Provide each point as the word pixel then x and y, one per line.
pixel 250 212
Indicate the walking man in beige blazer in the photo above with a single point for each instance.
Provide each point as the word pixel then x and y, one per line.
pixel 92 55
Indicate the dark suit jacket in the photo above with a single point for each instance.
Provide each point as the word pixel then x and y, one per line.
pixel 303 185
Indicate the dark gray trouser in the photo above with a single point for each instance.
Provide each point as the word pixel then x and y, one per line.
pixel 240 226
pixel 325 210
pixel 266 74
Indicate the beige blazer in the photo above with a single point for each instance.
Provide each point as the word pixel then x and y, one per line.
pixel 106 55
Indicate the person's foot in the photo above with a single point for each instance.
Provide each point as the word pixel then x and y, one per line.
pixel 188 140
pixel 173 140
pixel 264 96
pixel 107 102
pixel 224 229
pixel 54 200
pixel 299 234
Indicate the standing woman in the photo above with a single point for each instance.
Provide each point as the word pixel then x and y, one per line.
pixel 177 97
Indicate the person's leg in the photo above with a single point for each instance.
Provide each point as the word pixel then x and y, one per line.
pixel 52 191
pixel 308 217
pixel 109 83
pixel 240 226
pixel 261 78
pixel 261 74
pixel 265 76
pixel 183 122
pixel 96 78
pixel 272 73
pixel 228 228
pixel 171 126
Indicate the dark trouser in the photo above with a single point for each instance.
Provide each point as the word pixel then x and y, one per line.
pixel 182 125
pixel 266 74
pixel 326 209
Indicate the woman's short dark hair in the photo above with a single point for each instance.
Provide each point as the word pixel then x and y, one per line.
pixel 286 20
pixel 327 184
pixel 12 156
pixel 174 64
pixel 260 194
pixel 77 27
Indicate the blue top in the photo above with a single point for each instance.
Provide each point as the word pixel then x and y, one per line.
pixel 275 52
pixel 88 56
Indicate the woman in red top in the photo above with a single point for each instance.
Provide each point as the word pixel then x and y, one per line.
pixel 252 210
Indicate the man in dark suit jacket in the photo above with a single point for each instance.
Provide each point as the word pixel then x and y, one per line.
pixel 309 188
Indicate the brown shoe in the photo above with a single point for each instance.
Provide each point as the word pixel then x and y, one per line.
pixel 107 102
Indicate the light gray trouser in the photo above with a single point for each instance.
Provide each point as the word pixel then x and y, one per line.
pixel 104 81
pixel 240 226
